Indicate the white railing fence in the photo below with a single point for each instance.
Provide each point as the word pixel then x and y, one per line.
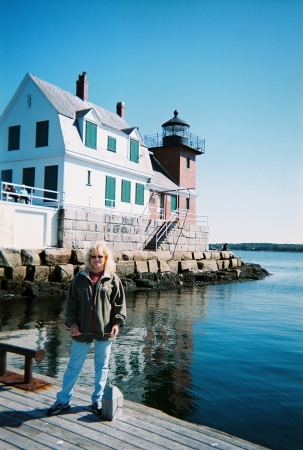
pixel 12 192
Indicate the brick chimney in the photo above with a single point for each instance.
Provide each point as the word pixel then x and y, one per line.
pixel 82 87
pixel 121 109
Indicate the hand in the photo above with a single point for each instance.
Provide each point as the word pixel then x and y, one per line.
pixel 115 330
pixel 74 330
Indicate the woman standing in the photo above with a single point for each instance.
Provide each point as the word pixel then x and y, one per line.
pixel 95 309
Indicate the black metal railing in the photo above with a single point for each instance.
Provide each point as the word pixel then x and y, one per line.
pixel 156 140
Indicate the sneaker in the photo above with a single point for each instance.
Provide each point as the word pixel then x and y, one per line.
pixel 97 408
pixel 56 408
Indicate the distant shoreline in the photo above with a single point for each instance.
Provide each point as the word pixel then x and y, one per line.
pixel 260 247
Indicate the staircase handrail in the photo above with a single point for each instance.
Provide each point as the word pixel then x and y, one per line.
pixel 184 220
pixel 158 232
pixel 150 236
pixel 163 227
pixel 167 224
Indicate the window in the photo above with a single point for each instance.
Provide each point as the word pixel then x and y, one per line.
pixel 111 144
pixel 139 194
pixel 173 202
pixel 125 191
pixel 50 182
pixel 28 177
pixel 7 175
pixel 14 138
pixel 187 203
pixel 42 134
pixel 134 151
pixel 88 178
pixel 110 192
pixel 91 135
pixel 29 101
pixel 187 163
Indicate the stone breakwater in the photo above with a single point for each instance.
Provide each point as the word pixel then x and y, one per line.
pixel 48 272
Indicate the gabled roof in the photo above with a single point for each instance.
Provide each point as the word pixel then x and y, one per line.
pixel 90 113
pixel 129 130
pixel 82 113
pixel 67 104
pixel 134 132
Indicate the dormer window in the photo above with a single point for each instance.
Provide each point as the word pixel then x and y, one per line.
pixel 134 151
pixel 88 122
pixel 91 135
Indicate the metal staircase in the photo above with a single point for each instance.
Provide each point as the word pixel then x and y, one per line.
pixel 159 235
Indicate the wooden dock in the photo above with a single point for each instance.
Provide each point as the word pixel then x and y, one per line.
pixel 25 425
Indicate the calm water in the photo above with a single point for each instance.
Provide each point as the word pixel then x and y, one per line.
pixel 227 356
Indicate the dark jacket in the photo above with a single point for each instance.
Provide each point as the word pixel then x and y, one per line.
pixel 95 315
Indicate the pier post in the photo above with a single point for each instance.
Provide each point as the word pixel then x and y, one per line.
pixel 112 403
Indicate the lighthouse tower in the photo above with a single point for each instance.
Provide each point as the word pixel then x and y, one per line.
pixel 177 155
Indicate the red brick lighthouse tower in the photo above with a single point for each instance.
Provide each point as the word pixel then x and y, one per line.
pixel 177 155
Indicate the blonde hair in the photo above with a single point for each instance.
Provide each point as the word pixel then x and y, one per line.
pixel 100 247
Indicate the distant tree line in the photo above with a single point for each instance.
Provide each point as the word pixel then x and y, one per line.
pixel 265 247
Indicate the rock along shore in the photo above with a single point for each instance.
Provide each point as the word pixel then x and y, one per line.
pixel 39 273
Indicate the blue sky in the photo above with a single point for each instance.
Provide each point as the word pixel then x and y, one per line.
pixel 232 68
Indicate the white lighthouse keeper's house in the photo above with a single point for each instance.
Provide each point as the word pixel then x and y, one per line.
pixel 72 150
pixel 76 158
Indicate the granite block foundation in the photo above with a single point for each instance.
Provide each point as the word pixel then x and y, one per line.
pixel 21 274
pixel 78 229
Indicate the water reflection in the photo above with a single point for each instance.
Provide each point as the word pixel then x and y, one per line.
pixel 158 353
pixel 151 359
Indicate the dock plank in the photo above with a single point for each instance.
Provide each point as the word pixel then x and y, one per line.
pixel 17 440
pixel 137 434
pixel 79 419
pixel 51 434
pixel 24 424
pixel 6 446
pixel 77 426
pixel 190 429
pixel 177 435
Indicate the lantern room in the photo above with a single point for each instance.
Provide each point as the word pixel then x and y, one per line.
pixel 175 131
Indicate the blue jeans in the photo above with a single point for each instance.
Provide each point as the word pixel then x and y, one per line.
pixel 78 354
